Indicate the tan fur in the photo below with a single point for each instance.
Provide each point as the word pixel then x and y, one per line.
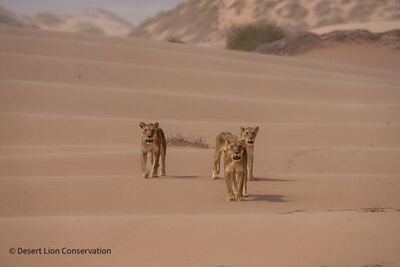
pixel 247 135
pixel 235 165
pixel 153 141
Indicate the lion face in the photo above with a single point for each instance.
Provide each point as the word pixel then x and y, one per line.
pixel 248 135
pixel 148 131
pixel 235 149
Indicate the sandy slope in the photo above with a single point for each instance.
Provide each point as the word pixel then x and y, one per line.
pixel 186 21
pixel 369 56
pixel 327 155
pixel 374 26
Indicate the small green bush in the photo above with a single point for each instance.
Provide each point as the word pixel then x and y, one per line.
pixel 248 37
pixel 49 18
pixel 174 39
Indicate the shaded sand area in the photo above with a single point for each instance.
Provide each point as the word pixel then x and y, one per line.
pixel 327 155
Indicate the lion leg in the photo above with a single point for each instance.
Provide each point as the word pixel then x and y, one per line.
pixel 229 184
pixel 151 159
pixel 217 163
pixel 145 172
pixel 250 169
pixel 163 173
pixel 245 178
pixel 155 163
pixel 163 152
pixel 234 185
pixel 240 184
pixel 244 188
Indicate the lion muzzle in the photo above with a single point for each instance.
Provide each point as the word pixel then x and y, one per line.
pixel 236 157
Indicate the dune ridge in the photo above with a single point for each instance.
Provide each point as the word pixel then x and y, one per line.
pixel 186 21
pixel 92 20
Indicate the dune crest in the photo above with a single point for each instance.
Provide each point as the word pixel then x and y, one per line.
pixel 89 20
pixel 304 42
pixel 186 21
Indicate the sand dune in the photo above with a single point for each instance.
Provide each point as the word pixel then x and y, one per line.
pixel 186 21
pixel 350 54
pixel 326 157
pixel 89 20
pixel 374 26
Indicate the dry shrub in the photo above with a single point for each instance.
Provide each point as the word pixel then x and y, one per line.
pixel 88 27
pixel 174 39
pixel 187 141
pixel 248 37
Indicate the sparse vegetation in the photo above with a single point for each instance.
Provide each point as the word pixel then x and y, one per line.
pixel 187 141
pixel 49 19
pixel 8 18
pixel 88 27
pixel 174 39
pixel 248 37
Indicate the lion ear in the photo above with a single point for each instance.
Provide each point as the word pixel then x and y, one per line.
pixel 256 129
pixel 156 124
pixel 142 124
pixel 242 129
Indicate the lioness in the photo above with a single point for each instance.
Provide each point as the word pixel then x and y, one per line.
pixel 235 165
pixel 153 142
pixel 247 135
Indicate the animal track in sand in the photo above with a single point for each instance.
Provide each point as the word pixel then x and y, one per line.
pixel 361 210
pixel 291 162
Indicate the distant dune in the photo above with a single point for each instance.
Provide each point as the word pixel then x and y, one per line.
pixel 89 20
pixel 9 18
pixel 326 157
pixel 355 47
pixel 374 26
pixel 304 42
pixel 186 21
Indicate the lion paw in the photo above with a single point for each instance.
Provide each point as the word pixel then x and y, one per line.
pixel 214 175
pixel 231 198
pixel 146 174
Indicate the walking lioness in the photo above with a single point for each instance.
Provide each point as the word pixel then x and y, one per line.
pixel 153 142
pixel 235 165
pixel 247 136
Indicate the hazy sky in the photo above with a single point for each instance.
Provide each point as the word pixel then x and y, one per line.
pixel 133 10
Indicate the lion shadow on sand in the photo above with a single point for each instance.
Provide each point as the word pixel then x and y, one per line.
pixel 269 198
pixel 266 179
